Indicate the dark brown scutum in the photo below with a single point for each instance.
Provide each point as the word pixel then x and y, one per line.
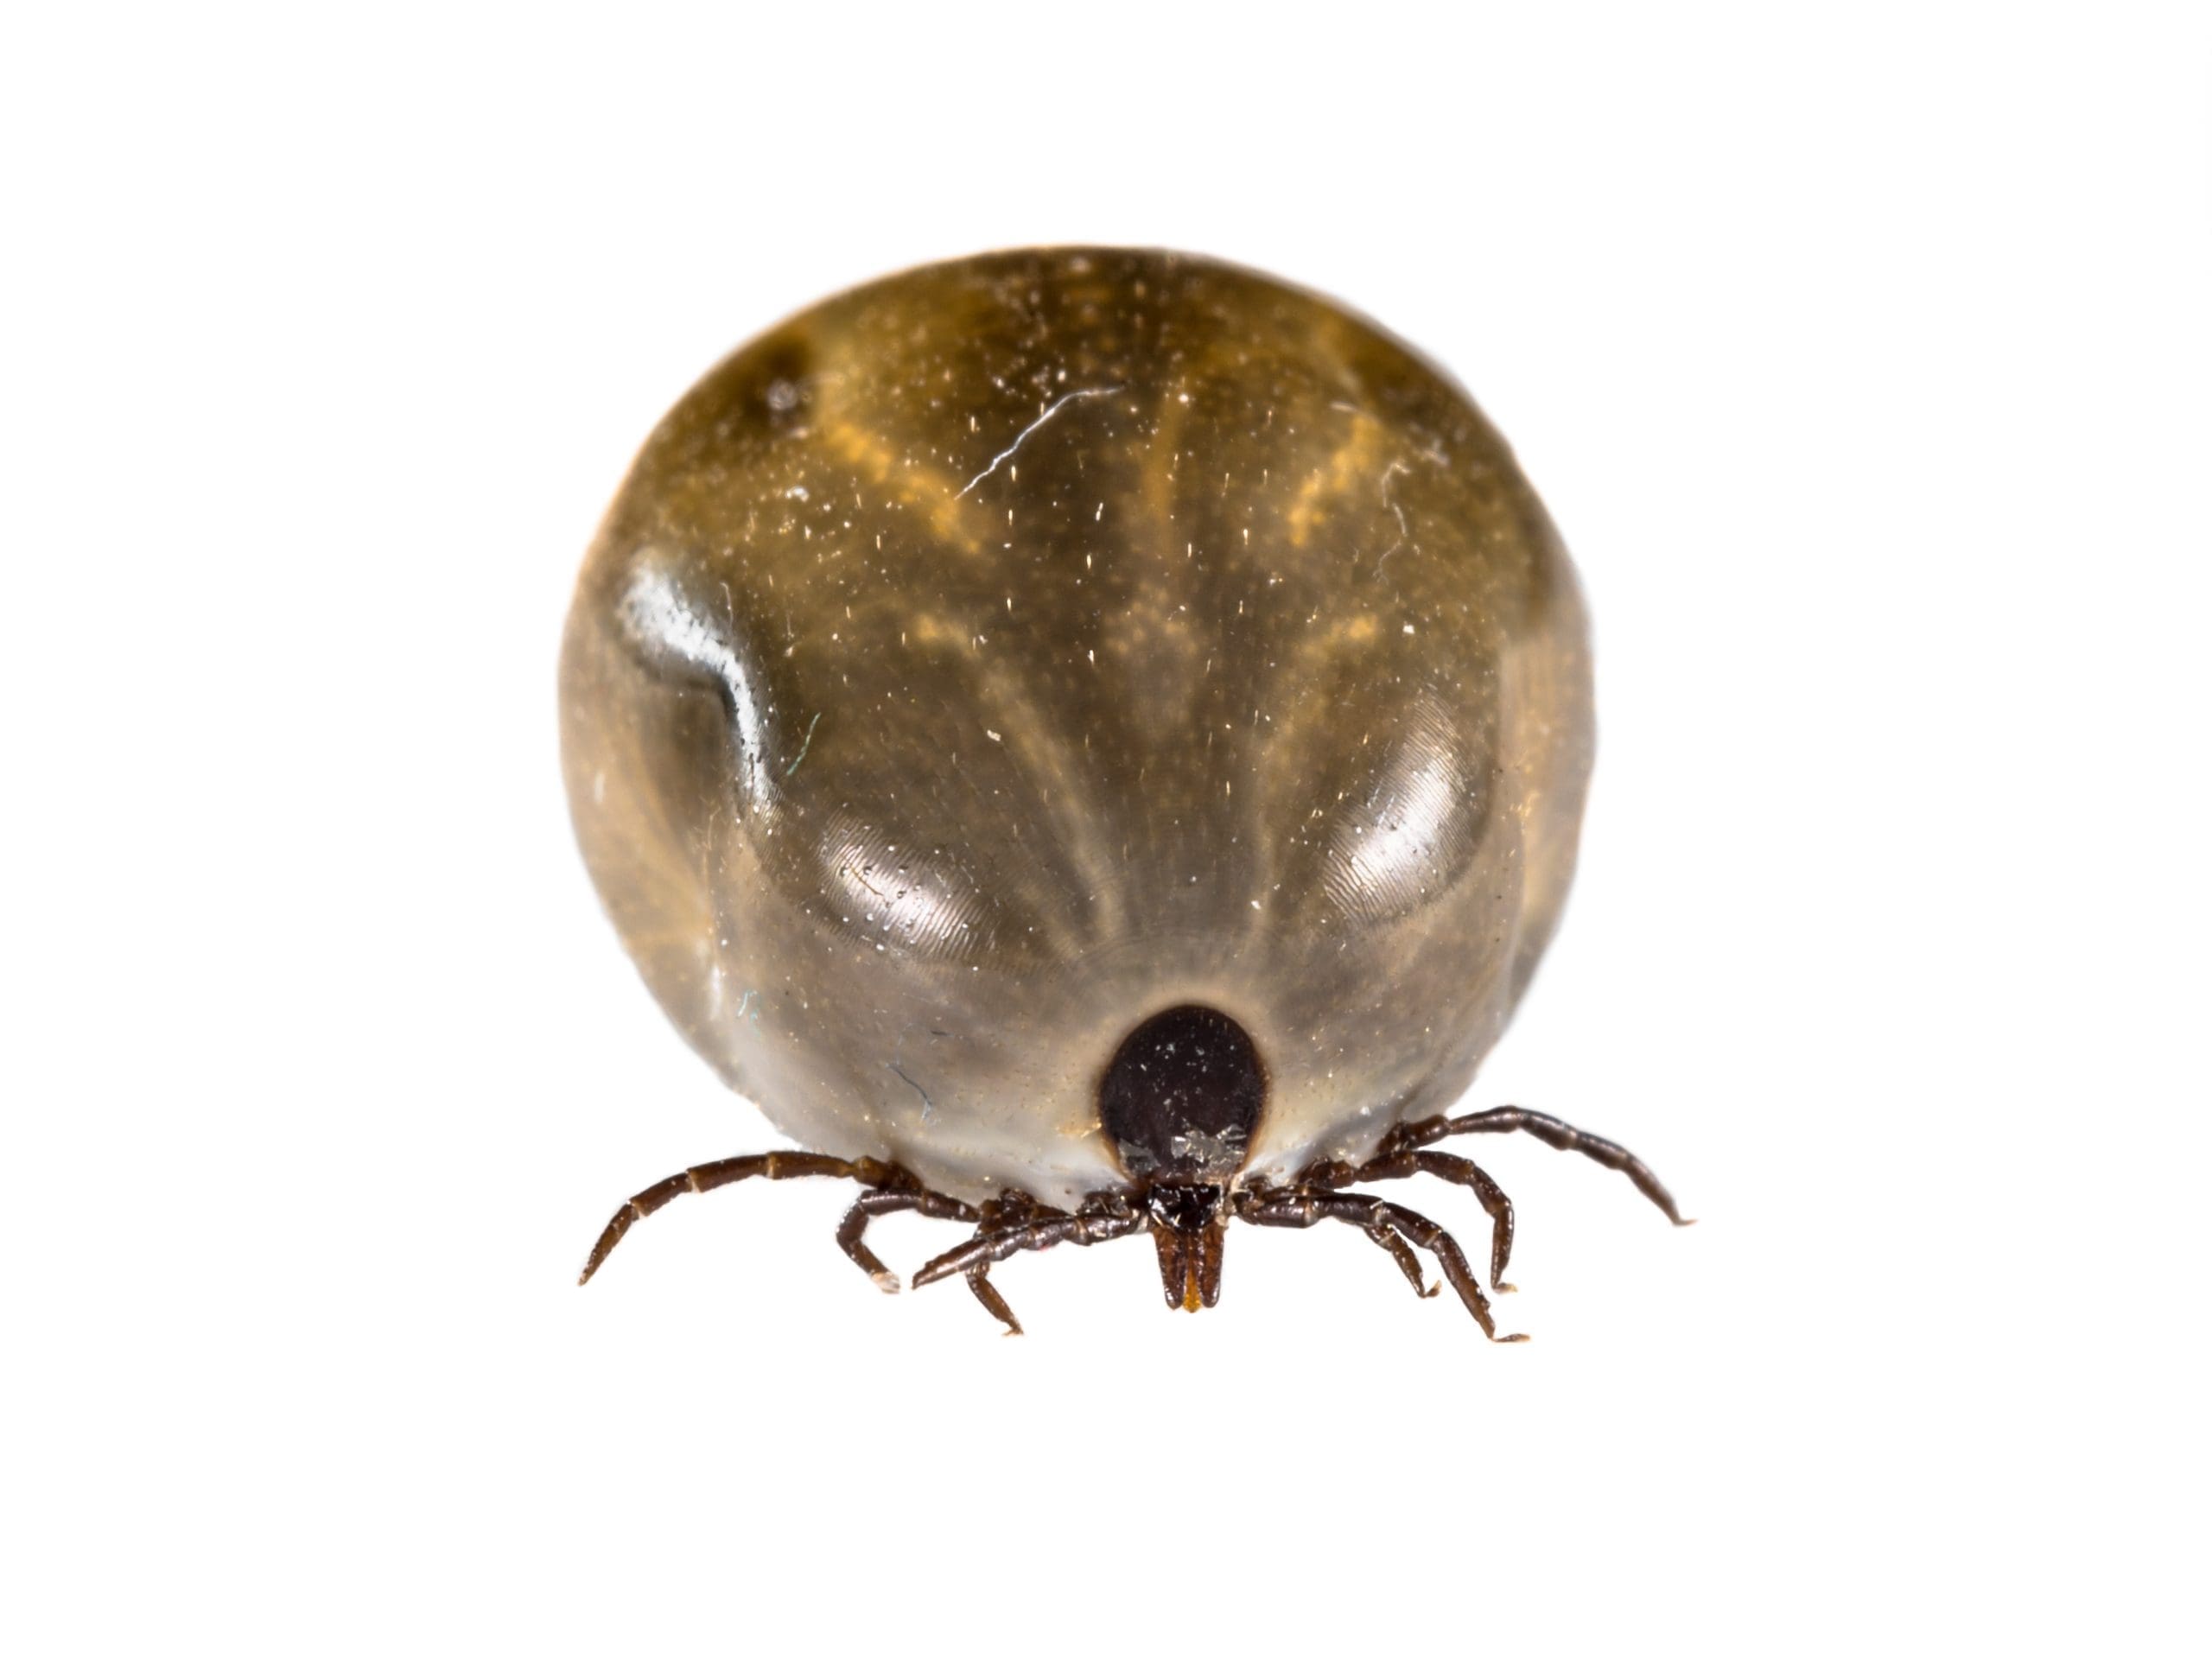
pixel 1183 1096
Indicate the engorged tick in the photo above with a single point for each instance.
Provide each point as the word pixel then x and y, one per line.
pixel 1194 702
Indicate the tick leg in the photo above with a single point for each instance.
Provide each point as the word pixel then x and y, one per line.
pixel 979 1280
pixel 1011 1206
pixel 1092 1224
pixel 1305 1207
pixel 883 1201
pixel 767 1166
pixel 1401 1253
pixel 1461 1171
pixel 1553 1133
pixel 1460 1276
pixel 1338 1173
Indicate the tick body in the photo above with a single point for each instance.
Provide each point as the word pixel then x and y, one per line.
pixel 1091 742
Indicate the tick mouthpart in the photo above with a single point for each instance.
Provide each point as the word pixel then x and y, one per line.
pixel 1190 1228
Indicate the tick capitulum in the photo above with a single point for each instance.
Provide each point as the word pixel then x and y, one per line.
pixel 1181 1101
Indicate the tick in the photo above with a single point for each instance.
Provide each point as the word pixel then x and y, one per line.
pixel 1091 742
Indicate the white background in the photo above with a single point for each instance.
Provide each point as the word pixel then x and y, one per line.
pixel 1861 353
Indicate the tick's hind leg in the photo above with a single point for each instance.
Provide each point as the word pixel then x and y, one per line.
pixel 1553 1133
pixel 889 1179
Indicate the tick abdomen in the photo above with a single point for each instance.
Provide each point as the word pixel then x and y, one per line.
pixel 997 657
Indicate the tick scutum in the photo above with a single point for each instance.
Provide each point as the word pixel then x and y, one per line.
pixel 1182 1096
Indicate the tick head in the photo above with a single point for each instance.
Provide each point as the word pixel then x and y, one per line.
pixel 1179 1102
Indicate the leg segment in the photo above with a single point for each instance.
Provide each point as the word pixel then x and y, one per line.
pixel 1094 1224
pixel 1553 1133
pixel 1402 1254
pixel 1010 1207
pixel 1461 1171
pixel 887 1200
pixel 979 1280
pixel 1461 1277
pixel 767 1166
pixel 1305 1207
